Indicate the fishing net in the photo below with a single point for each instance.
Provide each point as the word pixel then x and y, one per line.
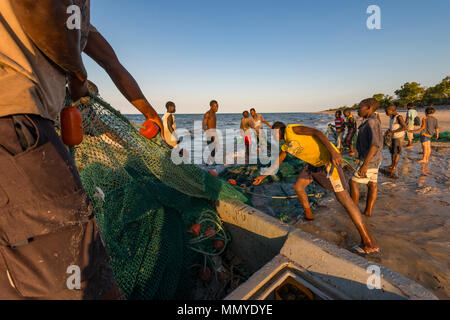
pixel 443 137
pixel 144 205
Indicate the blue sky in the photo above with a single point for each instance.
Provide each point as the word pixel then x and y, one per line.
pixel 276 56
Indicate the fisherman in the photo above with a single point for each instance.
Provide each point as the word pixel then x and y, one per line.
pixel 169 125
pixel 339 125
pixel 258 120
pixel 210 126
pixel 323 166
pixel 412 121
pixel 369 148
pixel 396 132
pixel 429 128
pixel 352 128
pixel 48 229
pixel 247 125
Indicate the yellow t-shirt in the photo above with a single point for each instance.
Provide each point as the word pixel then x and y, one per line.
pixel 306 148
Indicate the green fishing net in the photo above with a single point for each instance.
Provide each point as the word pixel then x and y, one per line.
pixel 144 205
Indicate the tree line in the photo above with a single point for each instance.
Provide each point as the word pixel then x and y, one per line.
pixel 413 92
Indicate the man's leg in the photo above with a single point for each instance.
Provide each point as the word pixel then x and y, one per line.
pixel 428 144
pixel 304 181
pixel 354 192
pixel 410 139
pixel 372 195
pixel 424 148
pixel 354 213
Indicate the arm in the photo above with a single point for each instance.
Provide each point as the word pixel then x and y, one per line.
pixel 205 121
pixel 421 128
pixel 336 157
pixel 280 160
pixel 44 21
pixel 102 53
pixel 402 124
pixel 437 133
pixel 268 124
pixel 170 124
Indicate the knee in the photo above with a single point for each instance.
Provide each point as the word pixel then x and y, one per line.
pixel 300 186
pixel 373 187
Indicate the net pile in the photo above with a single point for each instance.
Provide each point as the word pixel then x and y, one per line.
pixel 144 204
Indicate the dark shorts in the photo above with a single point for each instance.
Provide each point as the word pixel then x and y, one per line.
pixel 211 142
pixel 47 225
pixel 396 147
pixel 424 139
pixel 336 182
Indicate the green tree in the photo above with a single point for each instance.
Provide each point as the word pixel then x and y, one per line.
pixel 410 92
pixel 439 94
pixel 384 99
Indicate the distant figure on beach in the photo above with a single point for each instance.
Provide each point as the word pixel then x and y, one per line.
pixel 169 125
pixel 369 147
pixel 352 128
pixel 247 125
pixel 412 121
pixel 396 132
pixel 258 120
pixel 339 125
pixel 429 128
pixel 209 126
pixel 323 166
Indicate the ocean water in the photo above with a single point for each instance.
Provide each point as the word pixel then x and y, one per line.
pixel 192 123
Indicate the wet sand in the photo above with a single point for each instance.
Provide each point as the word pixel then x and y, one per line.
pixel 410 222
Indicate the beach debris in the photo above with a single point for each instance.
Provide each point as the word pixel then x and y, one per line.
pixel 100 194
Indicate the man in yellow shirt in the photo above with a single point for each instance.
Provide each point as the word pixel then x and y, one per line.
pixel 323 166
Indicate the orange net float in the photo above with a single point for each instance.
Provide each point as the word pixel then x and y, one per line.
pixel 71 126
pixel 149 129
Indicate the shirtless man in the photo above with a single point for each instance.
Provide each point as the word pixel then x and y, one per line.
pixel 258 120
pixel 247 125
pixel 209 126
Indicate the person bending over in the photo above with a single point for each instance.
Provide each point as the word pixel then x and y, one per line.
pixel 323 166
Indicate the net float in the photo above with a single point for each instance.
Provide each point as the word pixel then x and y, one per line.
pixel 205 273
pixel 71 126
pixel 213 173
pixel 149 130
pixel 232 182
pixel 210 232
pixel 195 229
pixel 218 245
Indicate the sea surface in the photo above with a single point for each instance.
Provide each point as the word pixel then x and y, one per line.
pixel 411 217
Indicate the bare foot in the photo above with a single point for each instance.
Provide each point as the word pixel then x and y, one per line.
pixel 423 161
pixel 309 217
pixel 371 249
pixel 368 214
pixel 351 154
